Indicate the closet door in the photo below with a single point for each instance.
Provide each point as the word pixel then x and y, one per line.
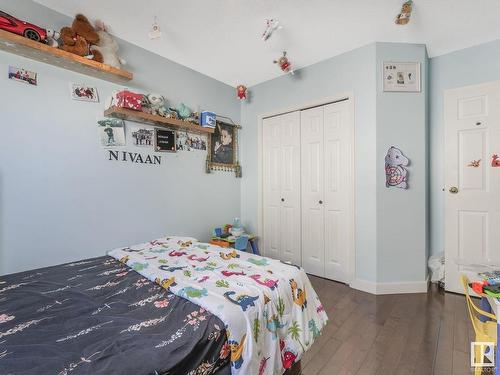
pixel 337 190
pixel 281 180
pixel 290 222
pixel 312 165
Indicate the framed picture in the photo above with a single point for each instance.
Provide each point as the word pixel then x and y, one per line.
pixel 402 76
pixel 84 93
pixel 140 135
pixel 223 149
pixel 111 132
pixel 191 142
pixel 165 140
pixel 23 75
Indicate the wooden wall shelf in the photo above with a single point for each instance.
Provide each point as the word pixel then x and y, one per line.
pixel 22 46
pixel 147 118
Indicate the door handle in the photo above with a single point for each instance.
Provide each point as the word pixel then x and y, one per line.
pixel 282 199
pixel 453 190
pixel 320 202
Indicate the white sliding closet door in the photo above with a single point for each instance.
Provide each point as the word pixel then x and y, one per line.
pixel 312 165
pixel 327 183
pixel 281 164
pixel 338 190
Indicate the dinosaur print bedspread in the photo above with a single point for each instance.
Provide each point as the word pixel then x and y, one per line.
pixel 271 312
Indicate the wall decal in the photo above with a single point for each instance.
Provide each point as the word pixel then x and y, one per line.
pixel 165 140
pixel 133 157
pixel 23 75
pixel 84 93
pixel 396 175
pixel 111 132
pixel 475 163
pixel 495 161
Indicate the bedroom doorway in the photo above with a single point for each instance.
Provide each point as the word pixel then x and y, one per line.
pixel 472 179
pixel 308 188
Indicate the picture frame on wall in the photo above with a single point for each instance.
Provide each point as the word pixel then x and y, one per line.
pixel 84 93
pixel 165 140
pixel 223 149
pixel 401 76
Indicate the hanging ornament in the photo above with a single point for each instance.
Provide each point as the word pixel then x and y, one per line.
pixel 404 17
pixel 155 32
pixel 272 25
pixel 284 64
pixel 241 92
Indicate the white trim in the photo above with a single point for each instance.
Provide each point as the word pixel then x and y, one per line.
pixel 260 210
pixel 390 288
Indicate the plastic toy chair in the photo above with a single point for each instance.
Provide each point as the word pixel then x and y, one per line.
pixel 485 331
pixel 241 243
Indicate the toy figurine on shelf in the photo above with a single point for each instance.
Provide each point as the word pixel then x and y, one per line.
pixel 271 26
pixel 183 112
pixel 404 17
pixel 284 64
pixel 241 92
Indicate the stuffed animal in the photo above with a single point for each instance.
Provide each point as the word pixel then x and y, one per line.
pixel 284 64
pixel 53 38
pixel 156 104
pixel 79 37
pixel 183 112
pixel 404 17
pixel 106 47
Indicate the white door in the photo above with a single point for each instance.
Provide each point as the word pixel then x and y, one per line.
pixel 327 190
pixel 281 187
pixel 472 179
pixel 338 188
pixel 312 165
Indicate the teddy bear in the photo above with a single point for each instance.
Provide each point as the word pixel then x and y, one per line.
pixel 404 17
pixel 79 37
pixel 106 47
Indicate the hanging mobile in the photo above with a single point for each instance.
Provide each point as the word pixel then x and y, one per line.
pixel 404 17
pixel 271 26
pixel 241 92
pixel 155 32
pixel 284 64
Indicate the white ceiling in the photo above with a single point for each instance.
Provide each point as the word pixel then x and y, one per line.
pixel 222 38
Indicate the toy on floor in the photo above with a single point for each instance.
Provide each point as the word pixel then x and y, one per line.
pixel 271 26
pixel 404 17
pixel 284 64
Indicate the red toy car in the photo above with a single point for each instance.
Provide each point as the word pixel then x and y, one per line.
pixel 28 30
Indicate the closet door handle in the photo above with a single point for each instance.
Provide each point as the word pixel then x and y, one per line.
pixel 320 202
pixel 282 199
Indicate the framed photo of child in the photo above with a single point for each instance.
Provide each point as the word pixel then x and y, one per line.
pixel 223 148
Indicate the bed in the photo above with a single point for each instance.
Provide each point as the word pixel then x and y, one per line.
pixel 168 306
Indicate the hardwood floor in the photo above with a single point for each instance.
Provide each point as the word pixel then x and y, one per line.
pixel 391 334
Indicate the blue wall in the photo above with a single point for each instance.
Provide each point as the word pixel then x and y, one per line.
pixel 352 72
pixel 402 214
pixel 61 199
pixel 469 66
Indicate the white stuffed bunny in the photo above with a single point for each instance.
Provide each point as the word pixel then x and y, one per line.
pixel 107 47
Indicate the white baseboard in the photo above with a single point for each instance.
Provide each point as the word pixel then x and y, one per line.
pixel 390 288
